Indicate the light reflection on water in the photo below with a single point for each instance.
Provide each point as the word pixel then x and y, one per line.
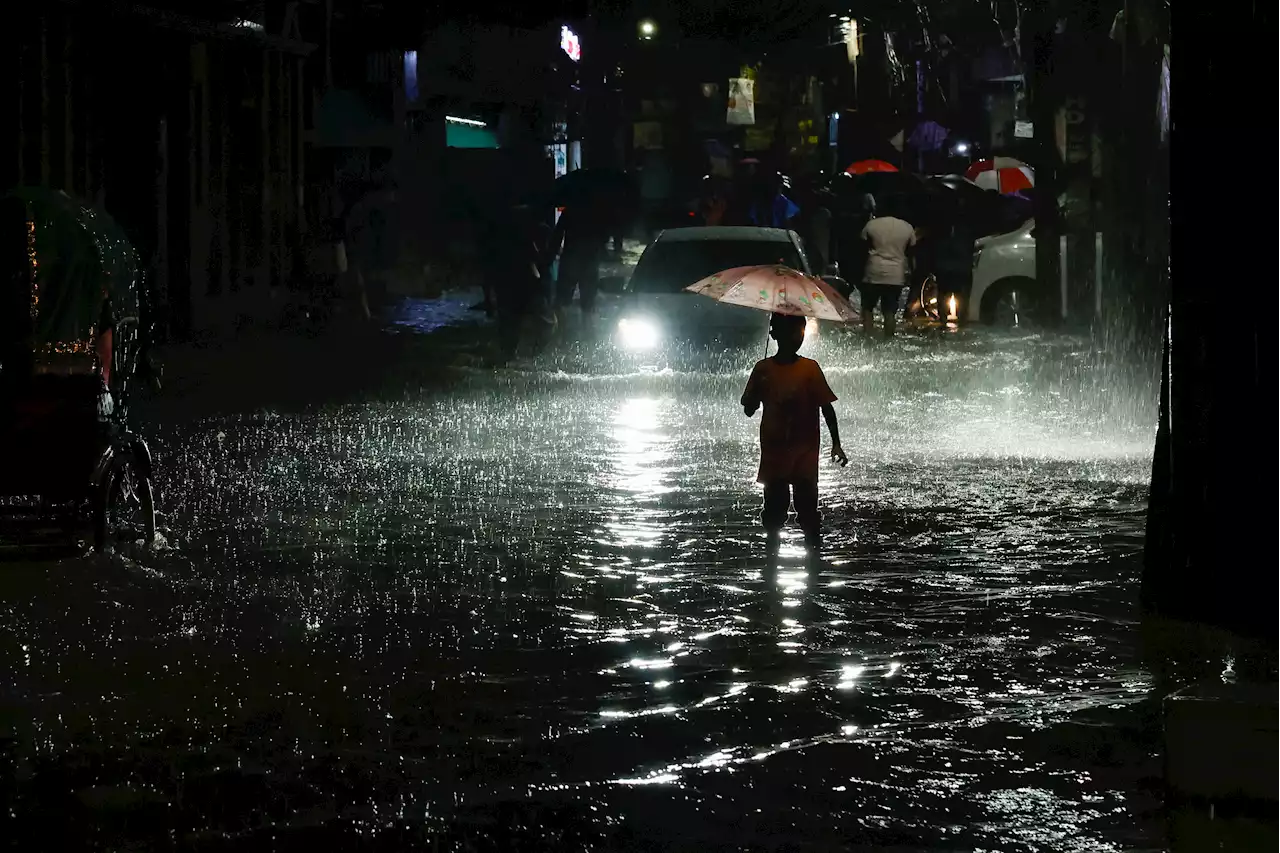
pixel 545 588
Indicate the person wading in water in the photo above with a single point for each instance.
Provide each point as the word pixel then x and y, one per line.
pixel 793 390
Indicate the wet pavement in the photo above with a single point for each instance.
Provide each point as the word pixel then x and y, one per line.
pixel 528 608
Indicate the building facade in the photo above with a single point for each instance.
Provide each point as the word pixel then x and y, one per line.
pixel 188 131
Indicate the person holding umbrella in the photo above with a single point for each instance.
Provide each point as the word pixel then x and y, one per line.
pixel 578 239
pixel 514 251
pixel 793 390
pixel 597 204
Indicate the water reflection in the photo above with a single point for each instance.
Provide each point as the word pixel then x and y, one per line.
pixel 639 458
pixel 536 603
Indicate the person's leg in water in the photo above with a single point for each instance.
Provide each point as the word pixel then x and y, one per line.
pixel 868 296
pixel 511 311
pixel 777 500
pixel 363 292
pixel 889 297
pixel 542 313
pixel 566 281
pixel 589 282
pixel 807 514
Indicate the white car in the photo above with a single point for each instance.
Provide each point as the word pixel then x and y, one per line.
pixel 656 310
pixel 1004 277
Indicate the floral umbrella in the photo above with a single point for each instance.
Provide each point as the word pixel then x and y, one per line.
pixel 778 290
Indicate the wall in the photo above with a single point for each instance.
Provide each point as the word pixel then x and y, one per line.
pixel 189 134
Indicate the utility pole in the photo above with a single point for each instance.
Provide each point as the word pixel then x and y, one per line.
pixel 328 45
pixel 1037 30
pixel 597 56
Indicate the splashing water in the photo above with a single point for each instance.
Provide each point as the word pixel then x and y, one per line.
pixel 538 593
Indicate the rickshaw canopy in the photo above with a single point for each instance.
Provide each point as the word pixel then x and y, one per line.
pixel 78 258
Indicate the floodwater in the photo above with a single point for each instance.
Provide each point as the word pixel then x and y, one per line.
pixel 529 608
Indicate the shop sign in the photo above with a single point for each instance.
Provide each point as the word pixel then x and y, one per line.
pixel 570 43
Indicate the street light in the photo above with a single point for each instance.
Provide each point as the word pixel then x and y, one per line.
pixel 648 29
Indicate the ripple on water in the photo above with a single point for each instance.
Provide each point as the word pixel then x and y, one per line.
pixel 541 591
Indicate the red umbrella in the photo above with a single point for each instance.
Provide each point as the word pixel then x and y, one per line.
pixel 977 167
pixel 1002 174
pixel 862 167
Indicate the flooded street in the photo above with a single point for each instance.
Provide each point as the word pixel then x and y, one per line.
pixel 529 608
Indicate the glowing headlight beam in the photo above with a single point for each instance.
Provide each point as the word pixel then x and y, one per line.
pixel 637 334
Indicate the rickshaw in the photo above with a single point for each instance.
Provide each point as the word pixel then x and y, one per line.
pixel 70 341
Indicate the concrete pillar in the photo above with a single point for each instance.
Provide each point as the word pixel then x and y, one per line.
pixel 68 75
pixel 92 181
pixel 223 102
pixel 282 171
pixel 161 285
pixel 328 44
pixel 21 129
pixel 200 231
pixel 1038 47
pixel 44 101
pixel 262 274
pixel 299 144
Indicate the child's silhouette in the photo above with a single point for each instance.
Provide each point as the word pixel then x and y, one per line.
pixel 793 390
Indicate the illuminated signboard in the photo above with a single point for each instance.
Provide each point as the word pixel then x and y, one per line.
pixel 570 43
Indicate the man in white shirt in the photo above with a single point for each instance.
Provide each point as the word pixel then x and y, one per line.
pixel 888 241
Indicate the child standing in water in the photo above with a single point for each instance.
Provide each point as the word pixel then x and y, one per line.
pixel 793 390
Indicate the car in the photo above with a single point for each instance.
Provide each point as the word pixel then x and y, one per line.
pixel 656 310
pixel 1004 289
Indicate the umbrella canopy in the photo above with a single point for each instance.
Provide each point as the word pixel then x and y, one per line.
pixel 862 167
pixel 1002 174
pixel 928 136
pixel 914 198
pixel 80 257
pixel 1006 181
pixel 778 290
pixel 979 166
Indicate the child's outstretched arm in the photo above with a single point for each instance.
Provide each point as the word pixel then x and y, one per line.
pixel 837 452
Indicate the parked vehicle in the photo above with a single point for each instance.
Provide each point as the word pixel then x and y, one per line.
pixel 70 348
pixel 1005 291
pixel 657 311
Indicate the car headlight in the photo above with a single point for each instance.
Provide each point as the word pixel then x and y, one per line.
pixel 638 334
pixel 977 255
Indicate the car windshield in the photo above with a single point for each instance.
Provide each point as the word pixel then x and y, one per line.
pixel 671 267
